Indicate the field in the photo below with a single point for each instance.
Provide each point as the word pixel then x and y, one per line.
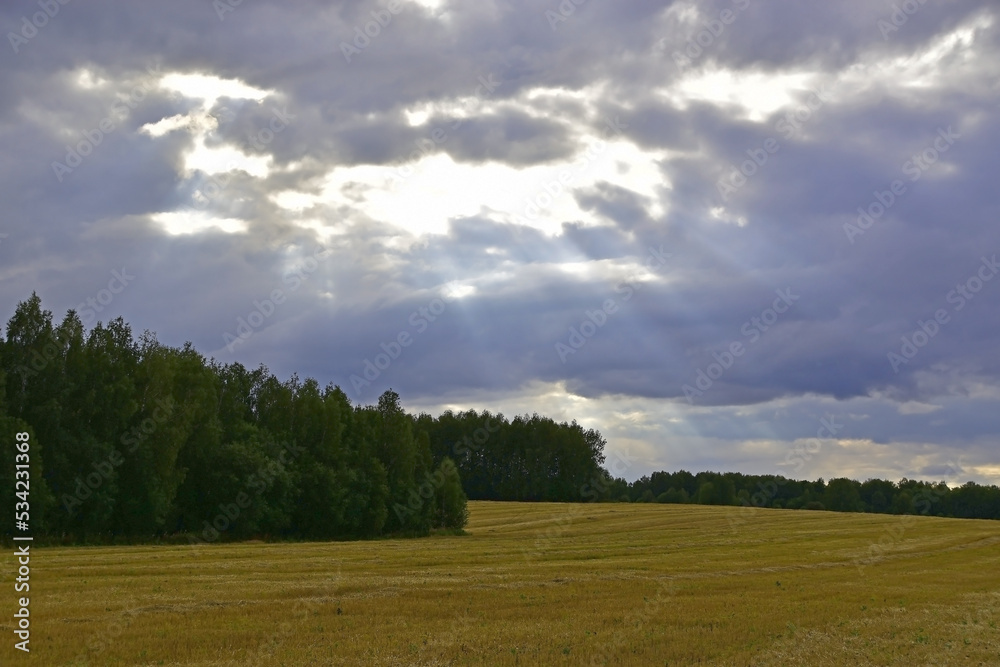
pixel 544 584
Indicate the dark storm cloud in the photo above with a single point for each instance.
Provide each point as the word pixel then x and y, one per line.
pixel 615 203
pixel 511 137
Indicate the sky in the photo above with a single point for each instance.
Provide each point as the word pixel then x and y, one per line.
pixel 731 235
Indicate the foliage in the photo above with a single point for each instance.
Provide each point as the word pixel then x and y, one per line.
pixel 132 440
pixel 879 496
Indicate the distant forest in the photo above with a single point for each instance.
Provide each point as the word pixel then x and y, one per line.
pixel 968 501
pixel 132 440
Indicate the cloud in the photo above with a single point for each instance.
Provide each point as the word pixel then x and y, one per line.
pixel 524 174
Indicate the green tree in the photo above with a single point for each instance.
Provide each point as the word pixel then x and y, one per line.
pixel 708 494
pixel 902 503
pixel 397 452
pixel 451 502
pixel 843 495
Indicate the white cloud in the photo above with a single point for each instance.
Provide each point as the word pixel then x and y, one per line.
pixel 210 88
pixel 752 95
pixel 422 197
pixel 192 222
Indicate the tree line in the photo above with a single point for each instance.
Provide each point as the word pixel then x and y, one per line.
pixel 970 500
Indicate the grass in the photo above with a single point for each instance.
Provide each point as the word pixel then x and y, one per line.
pixel 536 584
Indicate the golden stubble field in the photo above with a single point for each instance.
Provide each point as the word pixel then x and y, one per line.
pixel 537 584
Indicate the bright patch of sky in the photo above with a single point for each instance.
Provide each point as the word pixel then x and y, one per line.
pixel 193 222
pixel 423 196
pixel 210 88
pixel 751 95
